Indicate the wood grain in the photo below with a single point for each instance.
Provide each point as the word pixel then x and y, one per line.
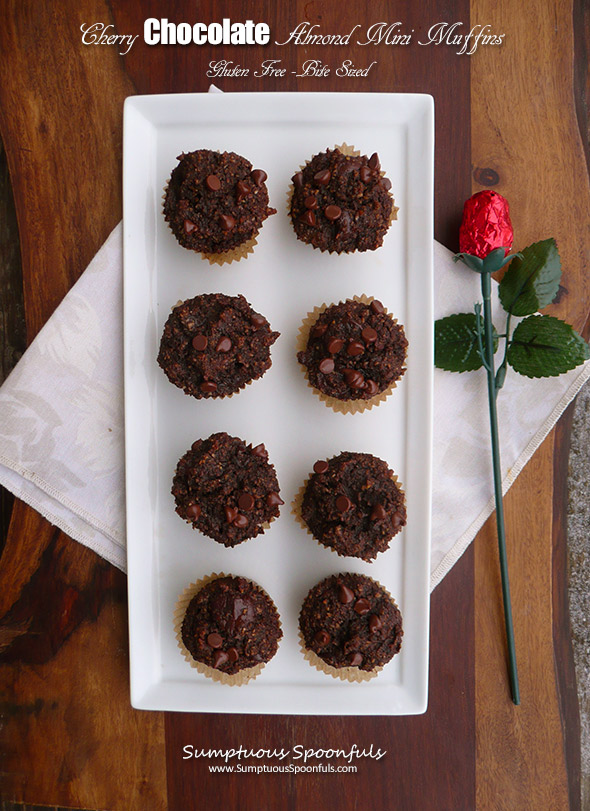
pixel 68 733
pixel 527 140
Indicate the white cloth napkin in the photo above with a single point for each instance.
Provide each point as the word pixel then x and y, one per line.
pixel 61 412
pixel 62 432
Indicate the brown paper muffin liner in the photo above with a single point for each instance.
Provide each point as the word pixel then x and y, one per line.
pixel 340 406
pixel 349 150
pixel 351 674
pixel 225 257
pixel 296 510
pixel 235 680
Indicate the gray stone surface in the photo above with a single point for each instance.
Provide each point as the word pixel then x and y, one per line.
pixel 579 570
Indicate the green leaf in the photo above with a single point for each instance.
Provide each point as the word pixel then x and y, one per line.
pixel 455 343
pixel 495 260
pixel 472 262
pixel 531 282
pixel 543 346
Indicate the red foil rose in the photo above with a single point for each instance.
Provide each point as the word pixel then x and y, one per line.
pixel 486 224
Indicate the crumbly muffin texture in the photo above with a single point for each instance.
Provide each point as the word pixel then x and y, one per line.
pixel 226 489
pixel 354 351
pixel 215 201
pixel 341 203
pixel 353 505
pixel 349 620
pixel 213 345
pixel 230 625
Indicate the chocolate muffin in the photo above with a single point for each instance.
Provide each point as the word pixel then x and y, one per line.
pixel 231 625
pixel 212 345
pixel 349 620
pixel 215 201
pixel 353 505
pixel 341 202
pixel 354 351
pixel 226 489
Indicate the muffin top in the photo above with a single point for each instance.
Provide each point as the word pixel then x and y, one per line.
pixel 349 620
pixel 354 351
pixel 226 489
pixel 212 345
pixel 341 203
pixel 230 625
pixel 215 201
pixel 352 505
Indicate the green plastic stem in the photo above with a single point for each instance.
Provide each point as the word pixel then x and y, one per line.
pixel 486 289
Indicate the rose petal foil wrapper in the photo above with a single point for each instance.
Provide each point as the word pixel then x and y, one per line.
pixel 486 224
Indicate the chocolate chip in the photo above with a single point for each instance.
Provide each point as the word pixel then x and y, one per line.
pixel 246 501
pixel 321 466
pixel 213 183
pixel 385 183
pixel 297 180
pixel 332 212
pixel 258 176
pixel 374 161
pixel 378 513
pixel 335 345
pixel 371 388
pixel 355 659
pixel 365 174
pixel 214 641
pixel 230 514
pixel 326 366
pixel 397 520
pixel 258 320
pixel 226 221
pixel 242 189
pixel 369 335
pixel 354 379
pixel 223 344
pixel 200 343
pixel 374 623
pixel 322 178
pixel 343 504
pixel 260 451
pixel 219 659
pixel 362 606
pixel 319 330
pixel 355 348
pixel 345 595
pixel 274 500
pixel 308 218
pixel 189 227
pixel 208 386
pixel 232 655
pixel 240 521
pixel 310 202
pixel 193 512
pixel 322 637
pixel 377 307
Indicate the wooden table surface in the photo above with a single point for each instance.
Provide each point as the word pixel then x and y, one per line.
pixel 512 118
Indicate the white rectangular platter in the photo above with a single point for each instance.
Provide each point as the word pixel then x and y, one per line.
pixel 283 279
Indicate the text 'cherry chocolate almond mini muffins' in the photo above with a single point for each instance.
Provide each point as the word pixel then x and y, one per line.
pixel 215 203
pixel 350 627
pixel 227 627
pixel 352 504
pixel 341 202
pixel 226 489
pixel 213 345
pixel 353 353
